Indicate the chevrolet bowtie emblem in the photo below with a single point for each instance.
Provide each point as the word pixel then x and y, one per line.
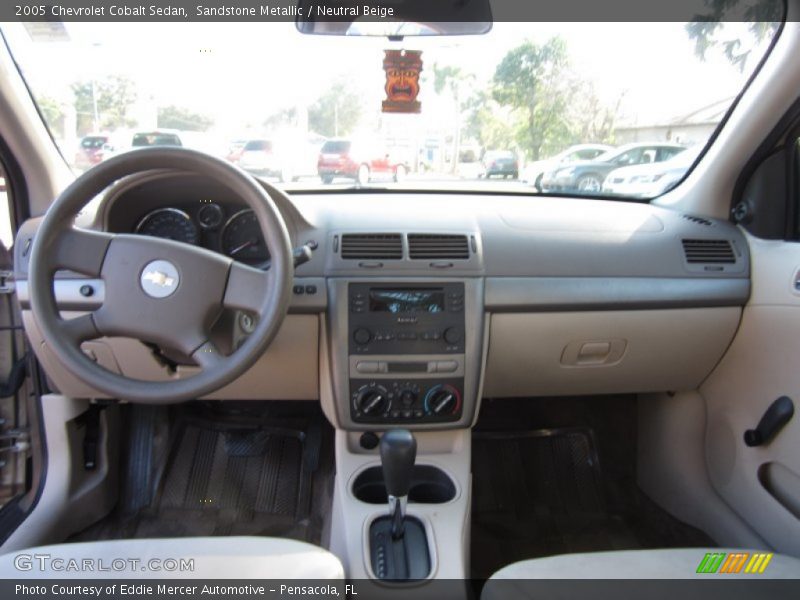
pixel 159 278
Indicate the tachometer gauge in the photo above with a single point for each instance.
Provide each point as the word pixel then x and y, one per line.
pixel 242 239
pixel 170 224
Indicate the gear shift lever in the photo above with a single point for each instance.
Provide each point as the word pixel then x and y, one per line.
pixel 398 453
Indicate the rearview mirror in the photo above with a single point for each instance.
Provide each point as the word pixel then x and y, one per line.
pixel 395 18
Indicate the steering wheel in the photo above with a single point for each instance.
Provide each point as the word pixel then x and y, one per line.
pixel 156 290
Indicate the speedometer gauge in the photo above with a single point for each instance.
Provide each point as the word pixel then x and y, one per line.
pixel 242 239
pixel 170 224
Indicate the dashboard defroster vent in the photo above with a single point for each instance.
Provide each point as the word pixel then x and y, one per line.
pixel 433 246
pixel 698 220
pixel 372 246
pixel 709 252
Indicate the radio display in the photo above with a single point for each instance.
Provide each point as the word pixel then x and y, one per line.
pixel 421 300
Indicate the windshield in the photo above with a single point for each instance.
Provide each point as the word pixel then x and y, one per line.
pixel 516 110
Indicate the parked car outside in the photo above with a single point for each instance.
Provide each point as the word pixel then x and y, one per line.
pixel 534 171
pixel 288 158
pixel 234 151
pixel 358 160
pixel 91 151
pixel 586 177
pixel 157 137
pixel 500 162
pixel 258 157
pixel 650 180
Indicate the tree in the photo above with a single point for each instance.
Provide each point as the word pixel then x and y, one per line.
pixel 336 112
pixel 178 117
pixel 492 125
pixel 591 120
pixel 104 104
pixel 284 117
pixel 531 79
pixel 452 80
pixel 53 114
pixel 707 30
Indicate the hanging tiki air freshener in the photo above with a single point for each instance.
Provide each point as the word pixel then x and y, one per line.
pixel 402 80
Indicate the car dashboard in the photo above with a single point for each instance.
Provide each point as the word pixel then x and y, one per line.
pixel 416 305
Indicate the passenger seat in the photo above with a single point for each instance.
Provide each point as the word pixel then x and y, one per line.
pixel 175 558
pixel 683 563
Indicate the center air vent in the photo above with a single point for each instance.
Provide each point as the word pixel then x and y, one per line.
pixel 709 252
pixel 370 246
pixel 437 246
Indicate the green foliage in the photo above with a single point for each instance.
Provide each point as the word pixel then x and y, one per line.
pixel 178 117
pixel 706 30
pixel 114 97
pixel 532 79
pixel 493 125
pixel 336 112
pixel 281 118
pixel 53 114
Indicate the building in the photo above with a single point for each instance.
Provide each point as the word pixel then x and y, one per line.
pixel 689 129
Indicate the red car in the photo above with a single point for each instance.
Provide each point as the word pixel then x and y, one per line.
pixel 361 162
pixel 91 151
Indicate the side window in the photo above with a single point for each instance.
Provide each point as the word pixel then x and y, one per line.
pixel 587 154
pixel 795 187
pixel 632 157
pixel 649 156
pixel 6 218
pixel 667 153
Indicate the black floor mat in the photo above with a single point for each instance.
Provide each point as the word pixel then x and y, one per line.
pixel 233 477
pixel 542 492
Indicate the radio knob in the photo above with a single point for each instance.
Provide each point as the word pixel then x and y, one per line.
pixel 362 336
pixel 372 402
pixel 453 335
pixel 442 400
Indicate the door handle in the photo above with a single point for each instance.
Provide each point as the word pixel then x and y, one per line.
pixel 775 418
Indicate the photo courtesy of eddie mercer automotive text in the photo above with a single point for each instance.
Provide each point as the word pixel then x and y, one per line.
pixel 463 300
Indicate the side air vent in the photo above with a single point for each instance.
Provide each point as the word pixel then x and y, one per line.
pixel 372 246
pixel 437 246
pixel 698 220
pixel 709 252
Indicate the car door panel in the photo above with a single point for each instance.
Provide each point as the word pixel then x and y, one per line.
pixel 761 484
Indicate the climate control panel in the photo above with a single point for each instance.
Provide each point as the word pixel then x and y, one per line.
pixel 406 400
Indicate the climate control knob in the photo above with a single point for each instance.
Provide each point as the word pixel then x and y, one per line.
pixel 442 400
pixel 372 401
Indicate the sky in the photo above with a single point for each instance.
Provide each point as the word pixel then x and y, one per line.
pixel 241 72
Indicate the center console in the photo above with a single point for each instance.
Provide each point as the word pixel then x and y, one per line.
pixel 405 353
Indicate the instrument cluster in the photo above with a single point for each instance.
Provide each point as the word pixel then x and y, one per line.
pixel 230 230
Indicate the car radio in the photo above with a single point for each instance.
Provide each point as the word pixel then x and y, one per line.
pixel 406 320
pixel 406 348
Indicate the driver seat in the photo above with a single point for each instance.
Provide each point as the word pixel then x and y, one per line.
pixel 175 558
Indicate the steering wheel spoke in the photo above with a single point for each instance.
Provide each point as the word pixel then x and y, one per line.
pixel 80 329
pixel 208 356
pixel 246 288
pixel 81 250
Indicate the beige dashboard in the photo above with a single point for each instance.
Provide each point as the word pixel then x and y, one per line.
pixel 577 296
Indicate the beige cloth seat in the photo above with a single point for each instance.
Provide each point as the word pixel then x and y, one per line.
pixel 681 563
pixel 175 558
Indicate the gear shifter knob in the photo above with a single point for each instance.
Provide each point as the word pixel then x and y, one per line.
pixel 398 453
